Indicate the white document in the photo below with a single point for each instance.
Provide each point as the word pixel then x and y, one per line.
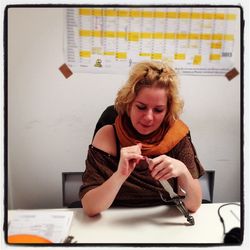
pixel 52 225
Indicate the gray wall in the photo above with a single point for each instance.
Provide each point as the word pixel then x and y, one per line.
pixel 51 119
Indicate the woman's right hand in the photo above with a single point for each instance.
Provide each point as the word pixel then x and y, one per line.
pixel 129 158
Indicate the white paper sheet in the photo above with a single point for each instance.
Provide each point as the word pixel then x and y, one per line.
pixel 53 226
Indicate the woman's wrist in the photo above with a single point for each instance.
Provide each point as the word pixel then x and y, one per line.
pixel 185 172
pixel 119 178
pixel 185 178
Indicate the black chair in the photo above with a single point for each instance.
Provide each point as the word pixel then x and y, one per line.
pixel 71 182
pixel 107 117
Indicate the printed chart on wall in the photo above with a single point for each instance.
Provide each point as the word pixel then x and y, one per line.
pixel 195 41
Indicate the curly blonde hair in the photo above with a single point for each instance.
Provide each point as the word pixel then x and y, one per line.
pixel 151 74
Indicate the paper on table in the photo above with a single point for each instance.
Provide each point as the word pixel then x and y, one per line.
pixel 53 226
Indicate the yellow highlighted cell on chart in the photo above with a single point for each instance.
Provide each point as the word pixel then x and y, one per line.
pixel 217 36
pixel 158 35
pixel 196 15
pixel 133 36
pixel 135 13
pixel 123 13
pixel 109 53
pixel 97 33
pixel 85 32
pixel 228 37
pixel 206 36
pixel 230 16
pixel 110 12
pixel 159 14
pixel 147 14
pixel 208 15
pixel 216 45
pixel 85 53
pixel 214 57
pixel 169 35
pixel 219 16
pixel 184 15
pixel 85 12
pixel 97 12
pixel 181 36
pixel 109 34
pixel 146 35
pixel 194 36
pixel 171 15
pixel 121 55
pixel 197 60
pixel 180 56
pixel 121 34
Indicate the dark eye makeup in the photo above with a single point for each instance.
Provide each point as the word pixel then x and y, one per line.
pixel 141 107
pixel 144 107
pixel 159 110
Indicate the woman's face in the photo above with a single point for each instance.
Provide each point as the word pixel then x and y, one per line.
pixel 148 109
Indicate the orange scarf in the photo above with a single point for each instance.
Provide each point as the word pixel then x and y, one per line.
pixel 171 137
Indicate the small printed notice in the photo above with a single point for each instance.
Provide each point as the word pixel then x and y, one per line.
pixel 53 226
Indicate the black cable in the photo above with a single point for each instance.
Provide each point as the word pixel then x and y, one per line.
pixel 221 218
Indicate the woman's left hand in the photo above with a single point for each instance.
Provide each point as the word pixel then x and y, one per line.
pixel 164 167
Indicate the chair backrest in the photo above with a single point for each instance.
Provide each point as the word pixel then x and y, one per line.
pixel 71 182
pixel 107 117
pixel 207 186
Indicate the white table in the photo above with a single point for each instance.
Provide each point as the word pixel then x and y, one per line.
pixel 155 225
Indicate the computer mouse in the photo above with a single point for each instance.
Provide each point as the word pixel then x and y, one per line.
pixel 233 236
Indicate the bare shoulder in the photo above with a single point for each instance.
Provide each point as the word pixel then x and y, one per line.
pixel 105 140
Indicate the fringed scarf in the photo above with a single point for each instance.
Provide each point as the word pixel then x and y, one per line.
pixel 158 142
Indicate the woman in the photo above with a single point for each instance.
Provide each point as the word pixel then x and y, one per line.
pixel 147 126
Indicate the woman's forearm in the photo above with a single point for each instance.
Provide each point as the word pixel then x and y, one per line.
pixel 192 188
pixel 101 197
